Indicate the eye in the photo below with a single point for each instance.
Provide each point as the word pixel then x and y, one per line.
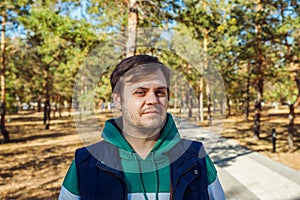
pixel 140 92
pixel 160 93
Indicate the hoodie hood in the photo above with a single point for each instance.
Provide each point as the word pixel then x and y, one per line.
pixel 112 133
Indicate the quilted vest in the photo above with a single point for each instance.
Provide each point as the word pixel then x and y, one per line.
pixel 100 173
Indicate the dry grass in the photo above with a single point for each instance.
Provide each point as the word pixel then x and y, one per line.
pixel 34 163
pixel 240 130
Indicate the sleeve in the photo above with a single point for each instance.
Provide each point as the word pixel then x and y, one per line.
pixel 70 189
pixel 215 190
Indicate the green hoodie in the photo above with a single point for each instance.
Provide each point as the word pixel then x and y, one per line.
pixel 149 175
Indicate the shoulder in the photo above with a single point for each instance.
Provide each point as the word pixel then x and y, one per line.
pixel 186 149
pixel 93 150
pixel 195 148
pixel 101 152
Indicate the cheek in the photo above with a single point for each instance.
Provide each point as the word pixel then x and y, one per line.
pixel 134 103
pixel 165 103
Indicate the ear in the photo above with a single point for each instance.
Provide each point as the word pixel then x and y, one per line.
pixel 117 100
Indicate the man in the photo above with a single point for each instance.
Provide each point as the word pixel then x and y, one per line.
pixel 142 155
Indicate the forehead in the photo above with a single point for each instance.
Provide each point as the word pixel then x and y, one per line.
pixel 155 79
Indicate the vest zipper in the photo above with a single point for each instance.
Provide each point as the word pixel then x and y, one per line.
pixel 185 171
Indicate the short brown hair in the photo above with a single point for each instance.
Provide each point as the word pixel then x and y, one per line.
pixel 140 66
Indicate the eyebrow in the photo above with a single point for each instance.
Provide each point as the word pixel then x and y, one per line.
pixel 158 88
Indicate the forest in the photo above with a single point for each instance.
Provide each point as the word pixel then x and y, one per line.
pixel 254 46
pixel 229 58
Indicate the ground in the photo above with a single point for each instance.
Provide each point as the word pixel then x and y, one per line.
pixel 240 130
pixel 34 163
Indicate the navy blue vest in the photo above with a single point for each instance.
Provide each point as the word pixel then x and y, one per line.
pixel 100 173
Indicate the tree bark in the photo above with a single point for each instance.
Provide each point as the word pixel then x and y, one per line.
pixel 228 106
pixel 209 104
pixel 175 96
pixel 47 110
pixel 291 127
pixel 190 100
pixel 69 107
pixel 132 29
pixel 182 105
pixel 47 106
pixel 221 106
pixel 59 107
pixel 259 74
pixel 3 86
pixel 39 106
pixel 201 115
pixel 54 109
pixel 292 107
pixel 258 108
pixel 247 108
pixel 205 47
pixel 294 72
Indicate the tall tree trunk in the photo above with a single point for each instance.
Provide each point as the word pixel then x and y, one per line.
pixel 132 28
pixel 39 106
pixel 69 107
pixel 258 107
pixel 209 104
pixel 47 107
pixel 294 72
pixel 175 96
pixel 59 106
pixel 247 108
pixel 189 92
pixel 47 110
pixel 205 47
pixel 181 109
pixel 293 106
pixel 190 100
pixel 208 95
pixel 3 86
pixel 201 111
pixel 228 105
pixel 221 103
pixel 291 127
pixel 259 74
pixel 54 109
pixel 183 99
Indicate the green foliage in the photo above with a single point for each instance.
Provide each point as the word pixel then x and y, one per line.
pixel 278 90
pixel 60 44
pixel 53 44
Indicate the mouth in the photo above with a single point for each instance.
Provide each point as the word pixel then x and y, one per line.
pixel 150 112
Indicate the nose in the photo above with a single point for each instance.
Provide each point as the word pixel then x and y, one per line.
pixel 151 98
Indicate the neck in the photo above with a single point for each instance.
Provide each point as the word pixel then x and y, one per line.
pixel 142 145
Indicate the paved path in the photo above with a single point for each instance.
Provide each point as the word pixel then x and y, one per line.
pixel 245 174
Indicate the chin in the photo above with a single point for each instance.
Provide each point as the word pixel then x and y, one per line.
pixel 153 124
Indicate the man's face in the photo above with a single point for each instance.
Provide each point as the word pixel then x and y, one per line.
pixel 144 104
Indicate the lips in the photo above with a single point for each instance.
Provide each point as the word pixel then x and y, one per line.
pixel 151 112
